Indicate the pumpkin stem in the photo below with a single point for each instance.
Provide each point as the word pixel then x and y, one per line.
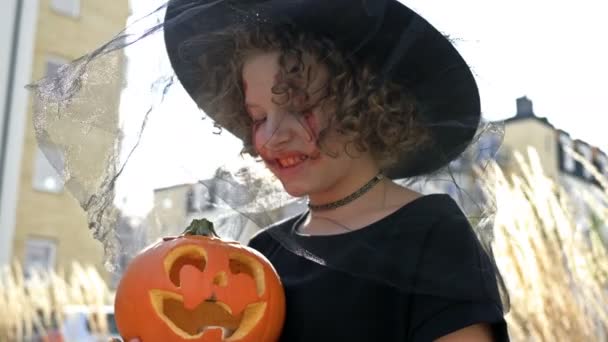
pixel 201 227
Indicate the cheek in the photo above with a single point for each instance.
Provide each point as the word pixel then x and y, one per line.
pixel 258 140
pixel 311 124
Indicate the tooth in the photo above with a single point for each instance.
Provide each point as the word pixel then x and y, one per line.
pixel 291 161
pixel 225 332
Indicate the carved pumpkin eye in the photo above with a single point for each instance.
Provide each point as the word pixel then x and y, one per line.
pixel 243 264
pixel 237 267
pixel 188 255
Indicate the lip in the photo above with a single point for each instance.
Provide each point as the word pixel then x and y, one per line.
pixel 285 172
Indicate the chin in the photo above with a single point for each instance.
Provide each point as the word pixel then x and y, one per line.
pixel 295 190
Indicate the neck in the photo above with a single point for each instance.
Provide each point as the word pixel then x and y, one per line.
pixel 346 187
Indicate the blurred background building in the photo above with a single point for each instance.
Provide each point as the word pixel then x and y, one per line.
pixel 41 224
pixel 555 149
pixel 525 130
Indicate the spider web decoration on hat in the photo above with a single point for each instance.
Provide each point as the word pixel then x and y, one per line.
pixel 130 104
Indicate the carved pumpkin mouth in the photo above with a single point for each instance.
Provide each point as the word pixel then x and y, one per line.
pixel 205 318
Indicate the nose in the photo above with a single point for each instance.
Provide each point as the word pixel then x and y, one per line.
pixel 279 130
pixel 196 287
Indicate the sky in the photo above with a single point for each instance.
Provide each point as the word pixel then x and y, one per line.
pixel 549 51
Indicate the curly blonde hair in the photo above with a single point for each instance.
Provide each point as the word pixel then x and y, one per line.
pixel 377 115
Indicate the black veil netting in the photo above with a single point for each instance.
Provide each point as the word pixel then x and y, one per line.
pixel 142 159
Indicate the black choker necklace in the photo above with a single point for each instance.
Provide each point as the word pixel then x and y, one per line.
pixel 349 198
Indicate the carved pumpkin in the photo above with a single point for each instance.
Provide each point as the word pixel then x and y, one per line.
pixel 197 287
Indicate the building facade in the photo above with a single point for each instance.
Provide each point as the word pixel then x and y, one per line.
pixel 580 175
pixel 41 224
pixel 526 130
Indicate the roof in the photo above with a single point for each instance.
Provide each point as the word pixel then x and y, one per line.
pixel 172 187
pixel 544 121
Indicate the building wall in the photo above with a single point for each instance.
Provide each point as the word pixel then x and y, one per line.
pixel 169 215
pixel 563 168
pixel 57 217
pixel 524 133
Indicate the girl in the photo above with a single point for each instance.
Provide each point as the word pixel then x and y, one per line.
pixel 338 98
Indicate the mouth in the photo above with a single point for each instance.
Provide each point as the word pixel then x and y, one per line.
pixel 209 317
pixel 291 161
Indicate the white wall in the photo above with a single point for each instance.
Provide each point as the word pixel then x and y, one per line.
pixel 14 117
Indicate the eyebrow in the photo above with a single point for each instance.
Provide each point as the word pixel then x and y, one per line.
pixel 251 105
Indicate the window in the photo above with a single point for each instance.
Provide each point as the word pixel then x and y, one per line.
pixel 193 201
pixel 39 255
pixel 70 8
pixel 602 161
pixel 569 163
pixel 587 153
pixel 167 203
pixel 46 177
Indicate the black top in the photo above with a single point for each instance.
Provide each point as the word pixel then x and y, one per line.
pixel 444 281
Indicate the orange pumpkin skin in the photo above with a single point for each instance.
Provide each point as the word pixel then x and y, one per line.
pixel 189 276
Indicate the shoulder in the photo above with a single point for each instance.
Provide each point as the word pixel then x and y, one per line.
pixel 450 244
pixel 263 240
pixel 434 239
pixel 452 226
pixel 433 216
pixel 451 238
pixel 439 218
pixel 432 207
pixel 456 278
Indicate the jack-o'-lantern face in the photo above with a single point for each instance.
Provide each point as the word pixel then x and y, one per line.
pixel 195 288
pixel 218 291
